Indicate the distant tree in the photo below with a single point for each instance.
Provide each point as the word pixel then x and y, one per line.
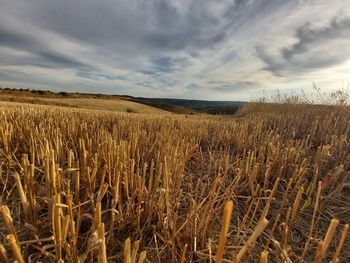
pixel 41 92
pixel 63 93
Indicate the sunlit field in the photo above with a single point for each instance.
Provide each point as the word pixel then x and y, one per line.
pixel 115 104
pixel 270 184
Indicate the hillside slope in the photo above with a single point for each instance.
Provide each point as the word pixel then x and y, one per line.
pixel 110 104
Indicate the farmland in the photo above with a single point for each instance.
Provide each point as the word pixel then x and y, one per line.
pixel 270 184
pixel 109 104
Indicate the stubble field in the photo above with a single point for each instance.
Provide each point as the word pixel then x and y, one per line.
pixel 270 184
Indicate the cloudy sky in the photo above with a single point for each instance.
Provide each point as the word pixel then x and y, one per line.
pixel 201 49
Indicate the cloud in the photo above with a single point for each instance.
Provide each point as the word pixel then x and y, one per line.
pixel 309 37
pixel 315 48
pixel 92 75
pixel 234 86
pixel 170 48
pixel 192 87
pixel 165 64
pixel 41 54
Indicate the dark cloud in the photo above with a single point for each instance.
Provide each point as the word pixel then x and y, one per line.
pixel 197 28
pixel 181 40
pixel 227 87
pixel 315 48
pixel 164 64
pixel 19 40
pixel 122 25
pixel 9 38
pixel 169 64
pixel 96 76
pixel 309 37
pixel 122 34
pixel 57 60
pixel 95 22
pixel 41 55
pixel 272 64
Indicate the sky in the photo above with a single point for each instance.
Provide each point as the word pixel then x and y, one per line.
pixel 194 49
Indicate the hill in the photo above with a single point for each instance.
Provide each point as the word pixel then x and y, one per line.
pixel 195 106
pixel 121 103
pixel 74 100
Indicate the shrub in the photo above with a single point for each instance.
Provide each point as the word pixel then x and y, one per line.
pixel 40 92
pixel 129 110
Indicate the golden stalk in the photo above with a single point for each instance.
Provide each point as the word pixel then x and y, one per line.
pixel 134 251
pixel 98 215
pixel 102 192
pixel 296 205
pixel 224 229
pixel 102 244
pixel 340 244
pixel 269 200
pixel 15 248
pixel 6 215
pixel 3 255
pixel 313 219
pixel 325 243
pixel 183 256
pixel 264 257
pixel 57 225
pixel 22 196
pixel 127 253
pixel 257 231
pixel 319 252
pixel 59 166
pixel 329 235
pixel 142 257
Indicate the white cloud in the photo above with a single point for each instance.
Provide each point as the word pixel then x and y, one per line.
pixel 225 49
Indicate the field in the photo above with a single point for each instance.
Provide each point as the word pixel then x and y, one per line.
pixel 270 184
pixel 107 103
pixel 119 103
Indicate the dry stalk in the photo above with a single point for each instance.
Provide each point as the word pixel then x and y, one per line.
pixel 102 258
pixel 325 243
pixel 22 196
pixel 15 248
pixel 3 255
pixel 313 219
pixel 264 257
pixel 127 251
pixel 163 178
pixel 257 231
pixel 6 215
pixel 340 244
pixel 135 249
pixel 142 257
pixel 224 229
pixel 183 256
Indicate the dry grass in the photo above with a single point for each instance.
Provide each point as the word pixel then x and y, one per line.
pixel 111 104
pixel 95 186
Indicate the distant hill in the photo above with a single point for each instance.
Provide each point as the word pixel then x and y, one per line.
pixel 78 100
pixel 120 102
pixel 196 106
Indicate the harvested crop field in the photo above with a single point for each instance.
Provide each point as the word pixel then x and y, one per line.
pixel 110 104
pixel 268 185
